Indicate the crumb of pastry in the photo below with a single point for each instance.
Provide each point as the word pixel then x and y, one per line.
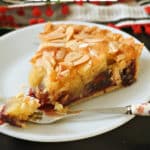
pixel 20 107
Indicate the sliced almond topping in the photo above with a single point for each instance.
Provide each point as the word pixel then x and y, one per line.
pixel 57 34
pixel 69 33
pixel 47 27
pixel 66 64
pixel 91 40
pixel 46 64
pixel 57 44
pixel 58 41
pixel 60 29
pixel 72 56
pixel 50 44
pixel 72 44
pixel 48 60
pixel 60 54
pixel 83 45
pixel 81 60
pixel 82 36
pixel 113 47
pixel 89 29
pixel 46 45
pixel 52 36
pixel 65 73
pixel 49 54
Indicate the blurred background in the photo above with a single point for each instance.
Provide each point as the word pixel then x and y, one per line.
pixel 115 13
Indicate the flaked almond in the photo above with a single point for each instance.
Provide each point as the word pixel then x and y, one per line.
pixel 72 56
pixel 60 29
pixel 46 46
pixel 47 27
pixel 83 45
pixel 58 44
pixel 113 47
pixel 58 33
pixel 58 41
pixel 60 54
pixel 66 64
pixel 82 60
pixel 72 44
pixel 82 36
pixel 52 36
pixel 64 73
pixel 48 60
pixel 49 53
pixel 47 65
pixel 69 33
pixel 91 40
pixel 89 29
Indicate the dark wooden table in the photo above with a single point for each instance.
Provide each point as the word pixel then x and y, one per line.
pixel 135 135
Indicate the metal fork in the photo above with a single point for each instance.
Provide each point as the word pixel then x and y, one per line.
pixel 40 117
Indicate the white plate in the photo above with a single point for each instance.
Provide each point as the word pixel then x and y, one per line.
pixel 16 49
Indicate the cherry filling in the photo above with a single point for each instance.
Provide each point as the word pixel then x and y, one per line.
pixel 128 74
pixel 43 98
pixel 101 82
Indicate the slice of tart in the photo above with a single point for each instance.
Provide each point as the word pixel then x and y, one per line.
pixel 74 63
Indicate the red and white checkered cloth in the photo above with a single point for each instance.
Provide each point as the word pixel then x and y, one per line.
pixel 124 13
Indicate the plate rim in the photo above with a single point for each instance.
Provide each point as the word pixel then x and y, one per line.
pixel 83 137
pixel 88 134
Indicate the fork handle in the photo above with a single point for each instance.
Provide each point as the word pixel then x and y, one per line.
pixel 142 109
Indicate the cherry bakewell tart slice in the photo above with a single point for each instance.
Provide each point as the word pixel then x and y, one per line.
pixel 74 63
